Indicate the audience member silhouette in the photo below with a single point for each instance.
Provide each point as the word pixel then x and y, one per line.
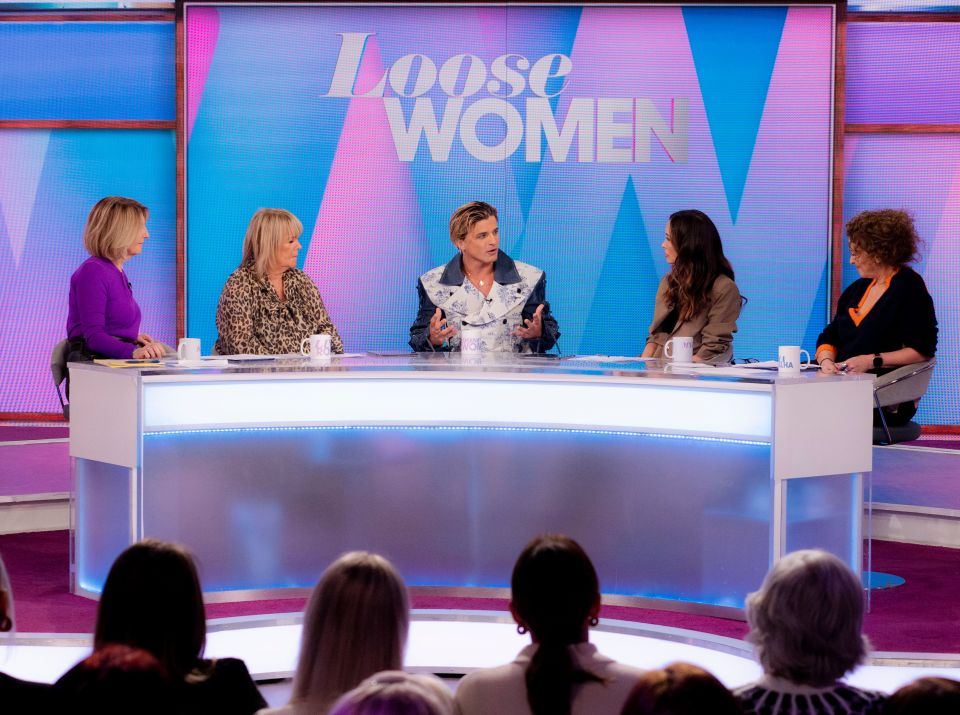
pixel 680 689
pixel 355 626
pixel 394 692
pixel 805 623
pixel 926 696
pixel 152 600
pixel 556 597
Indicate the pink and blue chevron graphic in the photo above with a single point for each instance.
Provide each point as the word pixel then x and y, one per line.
pixel 49 179
pixel 586 126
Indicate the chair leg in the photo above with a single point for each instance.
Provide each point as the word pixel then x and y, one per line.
pixel 883 421
pixel 64 407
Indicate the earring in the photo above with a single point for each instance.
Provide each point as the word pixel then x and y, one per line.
pixel 522 630
pixel 594 621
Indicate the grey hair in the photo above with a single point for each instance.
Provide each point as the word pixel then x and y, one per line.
pixel 394 692
pixel 355 625
pixel 806 619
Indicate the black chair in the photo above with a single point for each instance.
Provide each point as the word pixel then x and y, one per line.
pixel 58 368
pixel 905 384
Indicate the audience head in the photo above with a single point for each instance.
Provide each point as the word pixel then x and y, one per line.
pixel 885 238
pixel 693 243
pixel 806 619
pixel 355 625
pixel 114 227
pixel 152 600
pixel 116 680
pixel 680 689
pixel 926 696
pixel 273 236
pixel 465 217
pixel 555 594
pixel 394 692
pixel 6 601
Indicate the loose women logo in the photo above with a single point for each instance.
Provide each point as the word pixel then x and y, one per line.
pixel 607 129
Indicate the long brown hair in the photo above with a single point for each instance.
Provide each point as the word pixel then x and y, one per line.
pixel 355 625
pixel 152 600
pixel 699 262
pixel 554 588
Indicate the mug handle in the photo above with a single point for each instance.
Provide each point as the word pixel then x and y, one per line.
pixel 668 349
pixel 305 350
pixel 807 363
pixel 180 347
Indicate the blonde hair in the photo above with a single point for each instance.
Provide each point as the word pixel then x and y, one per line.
pixel 355 625
pixel 806 619
pixel 113 224
pixel 466 216
pixel 267 229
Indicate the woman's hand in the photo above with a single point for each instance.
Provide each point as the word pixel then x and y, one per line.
pixel 828 366
pixel 857 364
pixel 532 328
pixel 439 330
pixel 149 351
pixel 144 339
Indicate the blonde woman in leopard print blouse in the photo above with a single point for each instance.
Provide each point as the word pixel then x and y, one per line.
pixel 268 306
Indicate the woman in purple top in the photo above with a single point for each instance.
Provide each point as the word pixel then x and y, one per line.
pixel 104 319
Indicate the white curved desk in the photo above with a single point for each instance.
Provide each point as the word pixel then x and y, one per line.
pixel 682 486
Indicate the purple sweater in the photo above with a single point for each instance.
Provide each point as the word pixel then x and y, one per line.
pixel 102 309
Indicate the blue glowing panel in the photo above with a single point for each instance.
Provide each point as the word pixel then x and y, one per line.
pixel 87 70
pixel 102 526
pixel 49 180
pixel 662 517
pixel 922 175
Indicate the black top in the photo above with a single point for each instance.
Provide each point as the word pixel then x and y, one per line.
pixel 842 699
pixel 222 686
pixel 23 696
pixel 903 317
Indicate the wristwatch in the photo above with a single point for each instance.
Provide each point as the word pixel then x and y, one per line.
pixel 877 360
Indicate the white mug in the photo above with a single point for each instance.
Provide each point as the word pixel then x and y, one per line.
pixel 679 349
pixel 788 362
pixel 188 349
pixel 471 340
pixel 317 346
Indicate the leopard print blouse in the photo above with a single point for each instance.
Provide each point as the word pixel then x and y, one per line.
pixel 251 319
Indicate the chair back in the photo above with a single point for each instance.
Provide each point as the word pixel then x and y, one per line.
pixel 58 361
pixel 904 384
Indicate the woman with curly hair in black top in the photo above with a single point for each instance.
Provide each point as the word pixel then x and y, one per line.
pixel 886 318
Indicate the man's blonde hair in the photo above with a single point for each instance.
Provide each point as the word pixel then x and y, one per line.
pixel 113 224
pixel 267 230
pixel 466 216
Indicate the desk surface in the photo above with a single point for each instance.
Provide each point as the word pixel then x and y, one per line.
pixel 488 366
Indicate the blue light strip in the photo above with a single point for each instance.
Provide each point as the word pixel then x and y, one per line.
pixel 448 428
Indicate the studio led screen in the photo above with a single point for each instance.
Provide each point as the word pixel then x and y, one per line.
pixel 585 126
